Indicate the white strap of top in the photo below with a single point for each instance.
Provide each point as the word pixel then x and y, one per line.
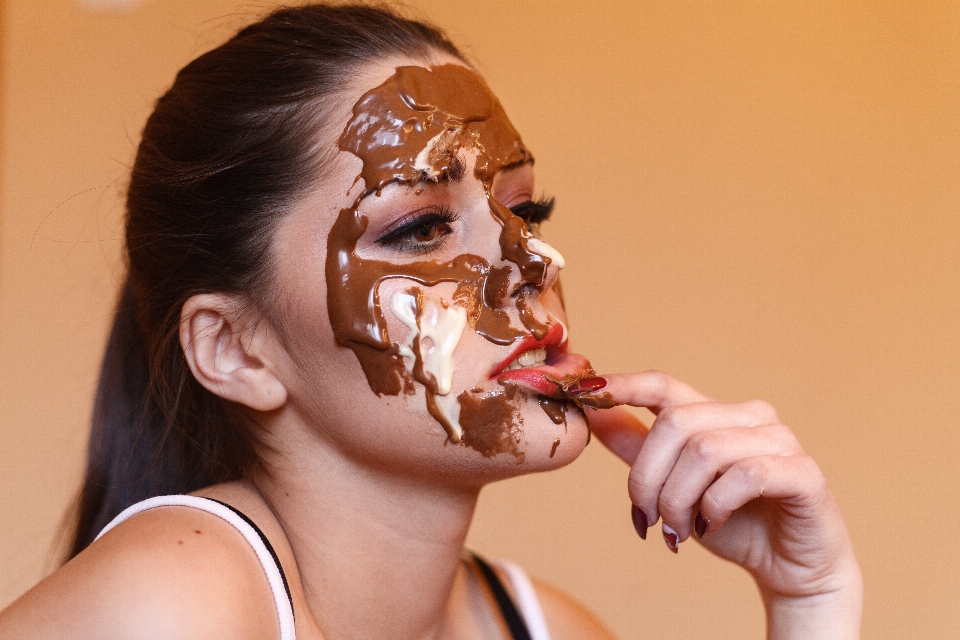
pixel 284 609
pixel 527 600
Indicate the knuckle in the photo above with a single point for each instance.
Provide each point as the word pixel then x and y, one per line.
pixel 637 486
pixel 657 376
pixel 813 472
pixel 669 505
pixel 764 411
pixel 755 471
pixel 658 381
pixel 704 446
pixel 667 420
pixel 710 503
pixel 674 420
pixel 786 436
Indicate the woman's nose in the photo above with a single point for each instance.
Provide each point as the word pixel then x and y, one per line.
pixel 537 264
pixel 541 247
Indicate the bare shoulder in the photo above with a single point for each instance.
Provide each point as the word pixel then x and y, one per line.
pixel 568 619
pixel 170 572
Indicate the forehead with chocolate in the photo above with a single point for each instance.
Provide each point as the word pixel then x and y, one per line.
pixel 411 129
pixel 413 126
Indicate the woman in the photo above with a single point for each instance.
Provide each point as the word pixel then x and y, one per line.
pixel 339 324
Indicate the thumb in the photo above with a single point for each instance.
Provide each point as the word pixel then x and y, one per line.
pixel 619 430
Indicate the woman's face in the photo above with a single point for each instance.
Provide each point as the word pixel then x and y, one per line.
pixel 420 326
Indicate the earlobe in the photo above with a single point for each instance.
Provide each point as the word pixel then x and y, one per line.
pixel 227 355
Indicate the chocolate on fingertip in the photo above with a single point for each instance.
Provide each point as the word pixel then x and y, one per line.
pixel 588 385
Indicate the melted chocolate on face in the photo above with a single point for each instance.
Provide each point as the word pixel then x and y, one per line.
pixel 356 315
pixel 553 449
pixel 410 129
pixel 554 408
pixel 491 422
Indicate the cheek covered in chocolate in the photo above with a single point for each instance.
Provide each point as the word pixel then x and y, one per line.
pixel 412 129
pixel 492 422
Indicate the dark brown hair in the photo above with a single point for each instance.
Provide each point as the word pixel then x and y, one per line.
pixel 227 149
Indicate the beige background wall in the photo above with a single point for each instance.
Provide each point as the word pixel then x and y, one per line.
pixel 761 198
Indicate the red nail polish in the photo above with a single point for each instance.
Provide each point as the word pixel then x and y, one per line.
pixel 588 385
pixel 671 538
pixel 640 522
pixel 700 525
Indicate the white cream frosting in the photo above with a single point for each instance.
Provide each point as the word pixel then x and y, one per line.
pixel 404 307
pixel 450 406
pixel 440 326
pixel 442 323
pixel 539 246
pixel 423 163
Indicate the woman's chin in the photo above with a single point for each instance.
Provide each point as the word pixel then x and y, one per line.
pixel 549 444
pixel 511 424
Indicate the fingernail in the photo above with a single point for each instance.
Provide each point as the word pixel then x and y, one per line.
pixel 639 521
pixel 588 385
pixel 670 537
pixel 700 525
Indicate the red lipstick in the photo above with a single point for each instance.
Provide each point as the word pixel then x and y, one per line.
pixel 546 378
pixel 554 337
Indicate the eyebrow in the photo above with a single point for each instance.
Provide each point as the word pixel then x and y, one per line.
pixel 454 174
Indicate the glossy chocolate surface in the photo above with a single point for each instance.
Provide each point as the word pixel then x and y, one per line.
pixel 491 422
pixel 553 449
pixel 554 408
pixel 409 130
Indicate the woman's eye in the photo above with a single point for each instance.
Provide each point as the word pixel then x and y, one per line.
pixel 430 231
pixel 420 232
pixel 533 212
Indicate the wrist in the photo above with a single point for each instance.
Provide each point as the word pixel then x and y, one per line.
pixel 831 615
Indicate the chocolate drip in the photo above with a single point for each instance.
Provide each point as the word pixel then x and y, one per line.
pixel 513 243
pixel 494 292
pixel 537 328
pixel 419 373
pixel 439 416
pixel 553 449
pixel 554 408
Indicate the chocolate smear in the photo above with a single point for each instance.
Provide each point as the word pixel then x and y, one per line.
pixel 596 400
pixel 554 408
pixel 491 422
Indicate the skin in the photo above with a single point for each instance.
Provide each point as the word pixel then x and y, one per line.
pixel 361 485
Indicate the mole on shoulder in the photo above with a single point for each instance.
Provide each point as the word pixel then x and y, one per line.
pixel 196 530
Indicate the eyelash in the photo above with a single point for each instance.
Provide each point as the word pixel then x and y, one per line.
pixel 533 212
pixel 402 237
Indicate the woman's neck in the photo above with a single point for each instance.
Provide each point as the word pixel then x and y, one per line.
pixel 377 552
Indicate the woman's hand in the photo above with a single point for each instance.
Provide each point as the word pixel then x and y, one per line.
pixel 734 476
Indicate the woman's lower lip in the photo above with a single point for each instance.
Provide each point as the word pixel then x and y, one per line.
pixel 554 341
pixel 544 379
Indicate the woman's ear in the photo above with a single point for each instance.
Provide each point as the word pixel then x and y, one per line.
pixel 226 351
